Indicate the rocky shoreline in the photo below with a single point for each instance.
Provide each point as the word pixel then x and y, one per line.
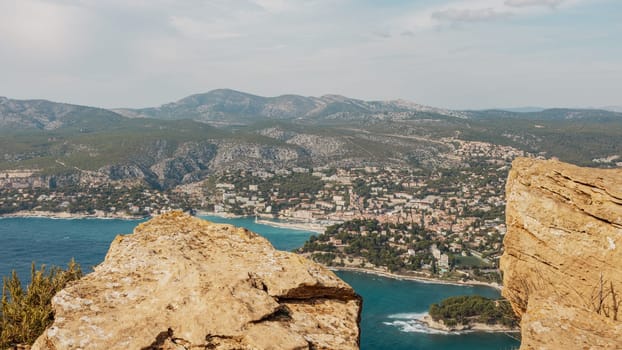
pixel 470 327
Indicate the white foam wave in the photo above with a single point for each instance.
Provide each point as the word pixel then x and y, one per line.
pixel 409 315
pixel 414 326
pixel 412 322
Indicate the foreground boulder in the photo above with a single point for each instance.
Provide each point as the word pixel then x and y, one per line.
pixel 563 255
pixel 179 282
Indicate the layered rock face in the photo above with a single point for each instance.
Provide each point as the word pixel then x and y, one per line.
pixel 563 254
pixel 179 282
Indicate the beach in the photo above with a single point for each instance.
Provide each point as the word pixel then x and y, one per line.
pixel 294 225
pixel 219 214
pixel 318 228
pixel 421 279
pixel 66 215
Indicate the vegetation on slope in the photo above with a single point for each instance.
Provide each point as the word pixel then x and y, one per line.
pixel 576 141
pixel 60 139
pixel 89 149
pixel 24 314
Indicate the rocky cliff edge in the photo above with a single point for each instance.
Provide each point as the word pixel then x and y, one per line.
pixel 179 282
pixel 563 255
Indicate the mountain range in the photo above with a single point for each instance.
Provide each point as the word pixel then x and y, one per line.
pixel 232 106
pixel 187 140
pixel 229 107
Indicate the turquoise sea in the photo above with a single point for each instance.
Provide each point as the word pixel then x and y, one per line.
pixel 389 306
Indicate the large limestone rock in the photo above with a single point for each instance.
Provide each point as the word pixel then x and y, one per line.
pixel 179 282
pixel 563 255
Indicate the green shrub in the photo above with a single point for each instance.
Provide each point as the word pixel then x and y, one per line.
pixel 24 314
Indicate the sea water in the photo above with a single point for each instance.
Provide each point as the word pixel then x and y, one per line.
pixel 391 308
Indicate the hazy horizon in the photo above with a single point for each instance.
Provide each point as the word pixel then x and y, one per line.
pixel 458 54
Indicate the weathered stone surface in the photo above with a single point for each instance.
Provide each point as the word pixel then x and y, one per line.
pixel 563 253
pixel 180 282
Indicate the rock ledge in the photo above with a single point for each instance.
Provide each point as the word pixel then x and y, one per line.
pixel 179 282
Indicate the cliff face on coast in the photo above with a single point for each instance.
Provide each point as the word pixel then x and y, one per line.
pixel 563 252
pixel 179 282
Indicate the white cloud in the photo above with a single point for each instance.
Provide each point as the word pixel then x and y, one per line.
pixel 469 15
pixel 465 11
pixel 284 6
pixel 524 3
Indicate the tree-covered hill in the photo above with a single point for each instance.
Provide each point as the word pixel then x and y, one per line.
pixel 462 310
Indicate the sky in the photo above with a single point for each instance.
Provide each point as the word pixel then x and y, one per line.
pixel 462 54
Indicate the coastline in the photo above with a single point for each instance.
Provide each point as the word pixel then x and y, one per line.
pixel 294 225
pixel 219 214
pixel 471 327
pixel 421 279
pixel 69 216
pixel 318 228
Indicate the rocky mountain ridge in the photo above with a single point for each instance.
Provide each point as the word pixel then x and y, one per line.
pixel 225 105
pixel 179 282
pixel 47 115
pixel 563 250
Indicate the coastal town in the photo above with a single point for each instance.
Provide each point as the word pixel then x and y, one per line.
pixel 427 222
pixel 443 222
